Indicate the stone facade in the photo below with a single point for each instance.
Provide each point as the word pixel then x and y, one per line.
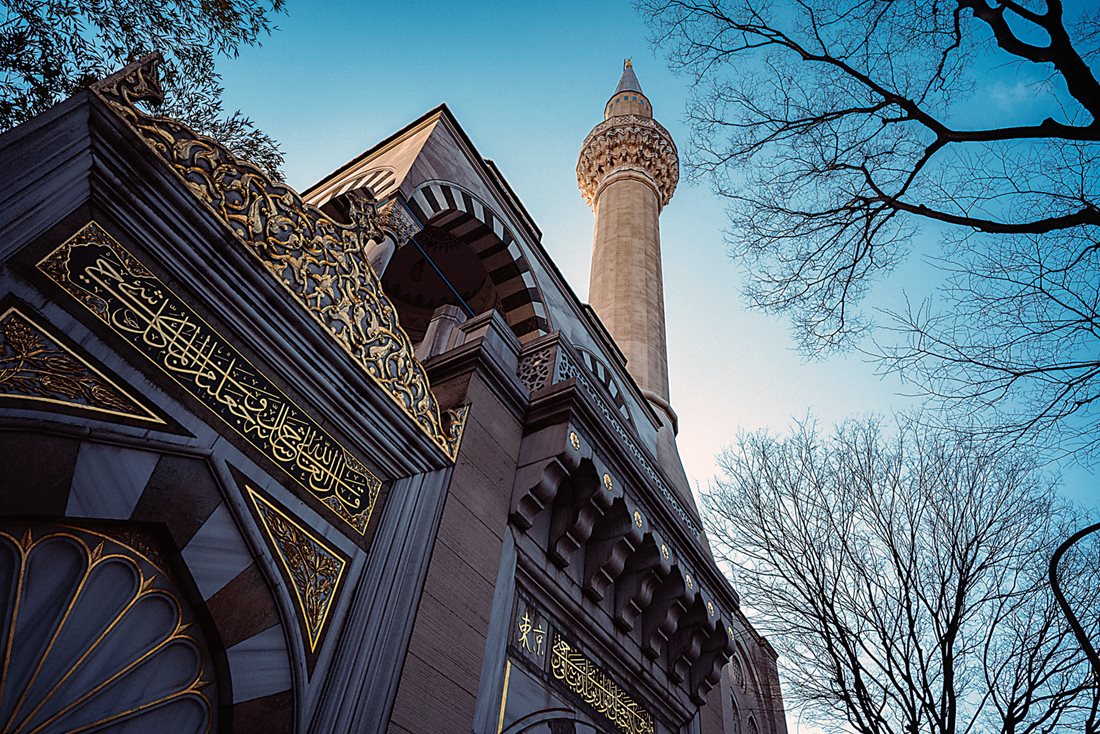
pixel 262 473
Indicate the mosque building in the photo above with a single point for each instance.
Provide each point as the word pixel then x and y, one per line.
pixel 351 460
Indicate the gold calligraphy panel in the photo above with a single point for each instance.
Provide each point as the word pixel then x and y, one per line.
pixel 597 689
pixel 313 568
pixel 97 271
pixel 35 365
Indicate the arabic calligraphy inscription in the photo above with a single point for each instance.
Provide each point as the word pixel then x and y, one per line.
pixel 109 281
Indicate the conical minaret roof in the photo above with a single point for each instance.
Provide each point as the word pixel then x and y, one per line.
pixel 628 97
pixel 628 82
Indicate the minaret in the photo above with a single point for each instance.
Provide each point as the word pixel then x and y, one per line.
pixel 627 171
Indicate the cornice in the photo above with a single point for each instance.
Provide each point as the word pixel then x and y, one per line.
pixel 492 354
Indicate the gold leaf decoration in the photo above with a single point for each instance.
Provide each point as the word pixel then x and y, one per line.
pixel 313 569
pixel 320 262
pixel 597 689
pixel 100 273
pixel 99 636
pixel 37 366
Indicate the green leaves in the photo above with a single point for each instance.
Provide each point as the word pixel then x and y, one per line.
pixel 50 49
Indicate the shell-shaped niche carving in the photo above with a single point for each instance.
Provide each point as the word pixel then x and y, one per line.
pixel 95 636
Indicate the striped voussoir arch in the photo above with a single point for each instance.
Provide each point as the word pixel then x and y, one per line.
pixel 125 489
pixel 378 182
pixel 492 241
pixel 603 375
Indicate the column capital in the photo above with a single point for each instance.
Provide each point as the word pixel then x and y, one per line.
pixel 394 218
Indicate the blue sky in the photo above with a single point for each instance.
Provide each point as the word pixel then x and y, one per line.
pixel 527 81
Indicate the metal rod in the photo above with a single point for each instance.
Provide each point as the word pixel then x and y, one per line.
pixel 466 307
pixel 469 311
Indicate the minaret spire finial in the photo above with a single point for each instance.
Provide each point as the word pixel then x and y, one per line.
pixel 628 82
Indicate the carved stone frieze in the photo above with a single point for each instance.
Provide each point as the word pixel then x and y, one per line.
pixel 534 369
pixel 628 141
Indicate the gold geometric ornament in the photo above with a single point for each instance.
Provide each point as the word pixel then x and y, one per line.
pixel 321 263
pixel 37 366
pixel 313 569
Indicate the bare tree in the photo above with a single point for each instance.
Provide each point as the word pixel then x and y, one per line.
pixel 49 49
pixel 903 580
pixel 838 128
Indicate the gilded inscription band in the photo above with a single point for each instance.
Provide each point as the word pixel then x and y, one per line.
pixel 97 271
pixel 597 689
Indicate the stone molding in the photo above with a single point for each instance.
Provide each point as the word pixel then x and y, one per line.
pixel 639 143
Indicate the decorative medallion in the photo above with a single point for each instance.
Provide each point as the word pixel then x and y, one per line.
pixel 664 551
pixel 729 630
pixel 108 280
pixel 312 568
pixel 607 483
pixel 98 636
pixel 688 580
pixel 637 518
pixel 710 608
pixel 37 366
pixel 321 263
pixel 574 441
pixel 597 689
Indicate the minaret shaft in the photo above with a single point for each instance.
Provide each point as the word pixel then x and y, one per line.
pixel 626 287
pixel 627 171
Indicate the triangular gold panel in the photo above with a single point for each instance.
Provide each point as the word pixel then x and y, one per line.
pixel 313 569
pixel 35 365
